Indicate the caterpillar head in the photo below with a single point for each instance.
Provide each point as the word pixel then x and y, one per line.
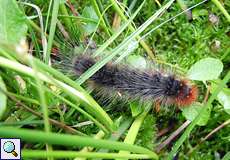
pixel 187 94
pixel 180 92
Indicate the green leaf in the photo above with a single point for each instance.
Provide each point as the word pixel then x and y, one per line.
pixel 223 97
pixel 12 22
pixel 226 156
pixel 137 61
pixel 3 98
pixel 205 69
pixel 89 12
pixel 190 113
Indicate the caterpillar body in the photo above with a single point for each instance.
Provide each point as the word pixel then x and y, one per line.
pixel 134 84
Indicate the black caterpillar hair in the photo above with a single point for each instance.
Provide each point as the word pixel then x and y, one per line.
pixel 133 84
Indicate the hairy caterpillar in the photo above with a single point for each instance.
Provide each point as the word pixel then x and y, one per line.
pixel 134 84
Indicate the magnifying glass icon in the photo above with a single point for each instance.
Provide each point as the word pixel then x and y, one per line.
pixel 9 147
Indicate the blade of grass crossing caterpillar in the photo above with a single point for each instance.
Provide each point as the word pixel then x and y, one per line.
pixel 86 75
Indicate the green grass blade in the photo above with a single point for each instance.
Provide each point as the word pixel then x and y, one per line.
pixel 43 103
pixel 79 110
pixel 42 99
pixel 21 123
pixel 48 15
pixel 52 30
pixel 41 30
pixel 117 33
pixel 70 140
pixel 23 98
pixel 119 132
pixel 123 17
pixel 72 154
pixel 133 131
pixel 103 24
